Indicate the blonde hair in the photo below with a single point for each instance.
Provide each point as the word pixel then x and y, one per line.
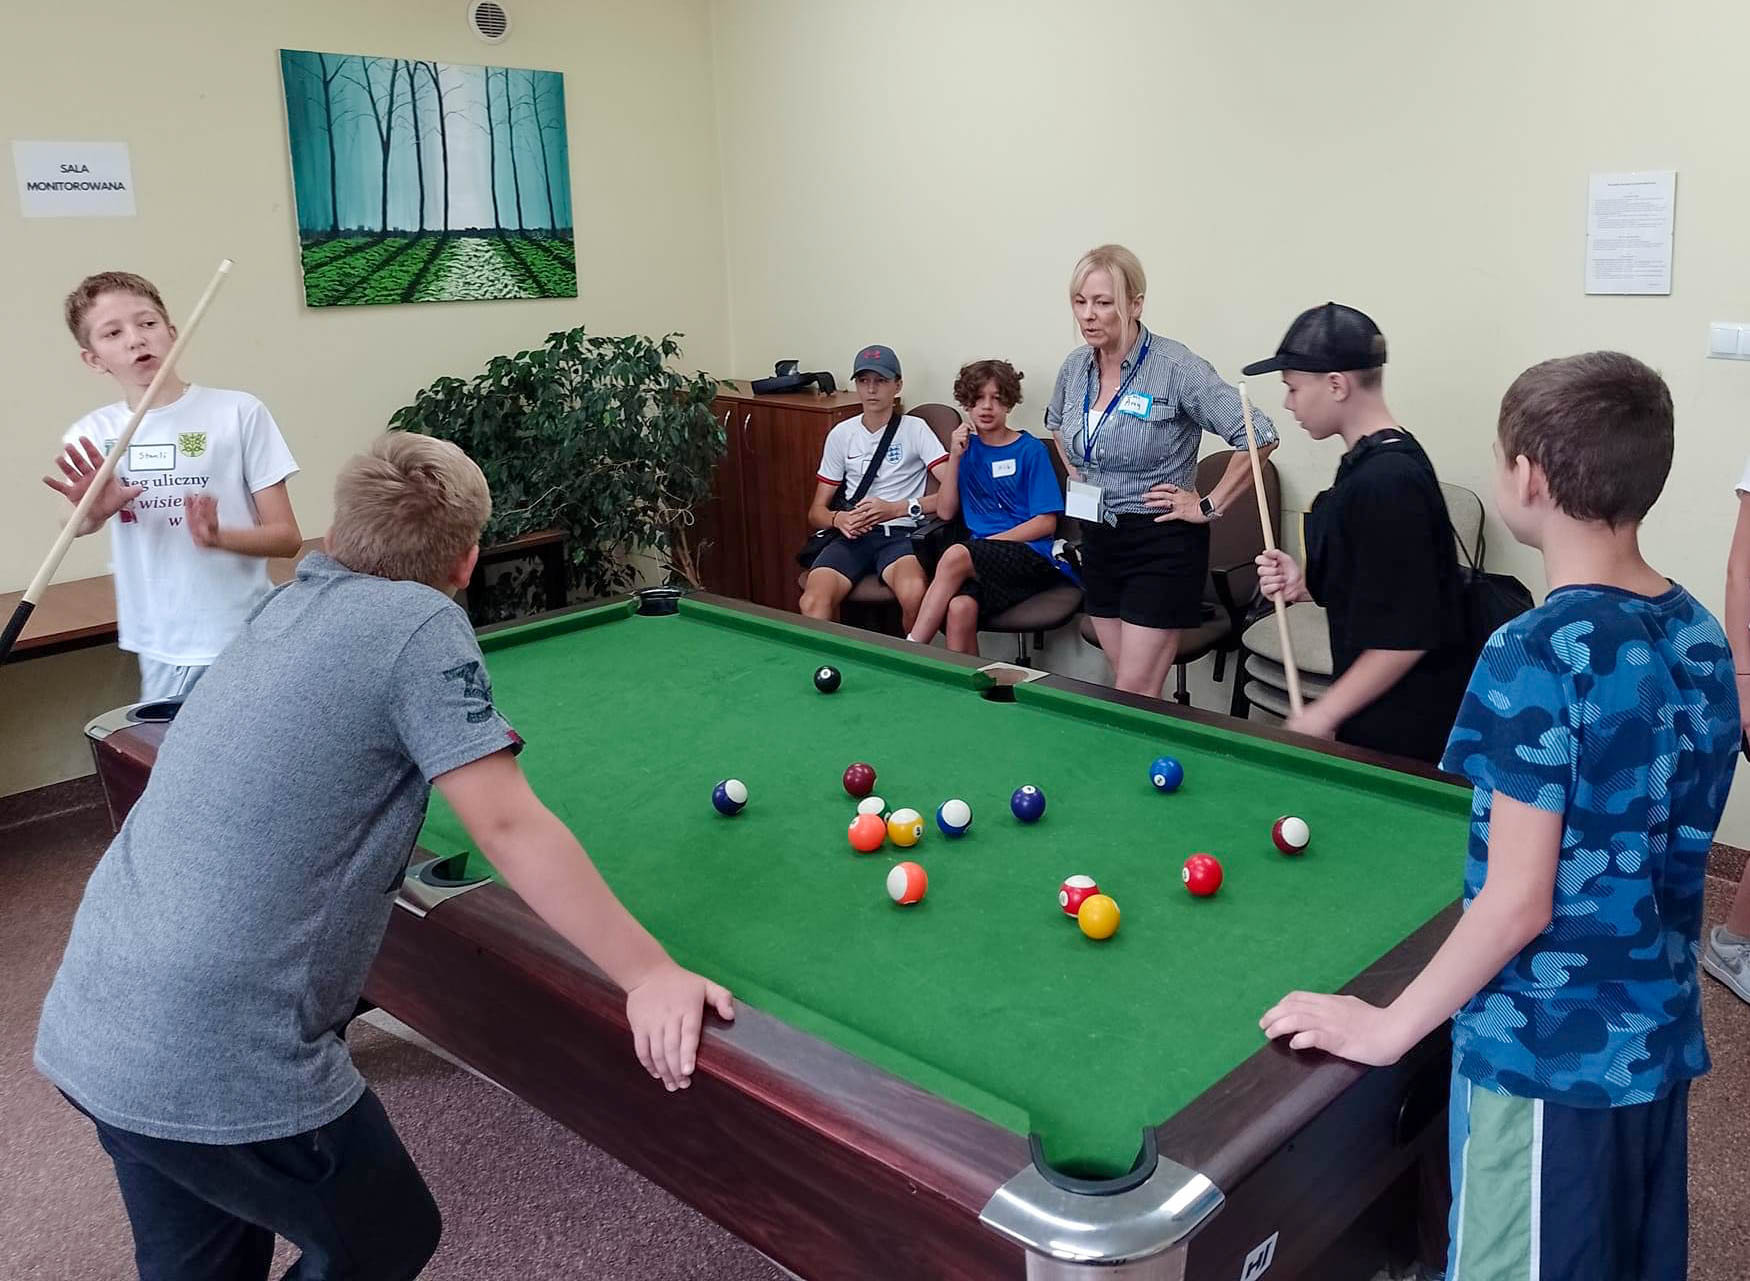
pixel 1128 282
pixel 409 507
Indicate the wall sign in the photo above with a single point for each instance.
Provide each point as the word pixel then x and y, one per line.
pixel 74 179
pixel 1629 220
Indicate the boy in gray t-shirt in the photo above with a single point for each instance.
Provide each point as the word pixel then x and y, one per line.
pixel 225 936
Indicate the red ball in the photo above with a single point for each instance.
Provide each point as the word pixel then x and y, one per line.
pixel 1074 892
pixel 1202 875
pixel 860 779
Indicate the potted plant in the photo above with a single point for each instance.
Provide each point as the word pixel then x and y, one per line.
pixel 594 436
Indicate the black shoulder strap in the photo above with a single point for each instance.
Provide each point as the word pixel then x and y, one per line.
pixel 875 462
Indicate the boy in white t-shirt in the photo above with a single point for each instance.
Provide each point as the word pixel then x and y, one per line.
pixel 200 501
pixel 875 535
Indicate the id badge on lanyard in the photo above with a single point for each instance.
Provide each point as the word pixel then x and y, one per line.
pixel 1081 501
pixel 1084 500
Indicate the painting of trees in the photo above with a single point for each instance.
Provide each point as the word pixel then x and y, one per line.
pixel 425 181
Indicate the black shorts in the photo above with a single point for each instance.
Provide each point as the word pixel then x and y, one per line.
pixel 873 553
pixel 1005 574
pixel 1146 573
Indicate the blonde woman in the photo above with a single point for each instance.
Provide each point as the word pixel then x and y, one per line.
pixel 1127 415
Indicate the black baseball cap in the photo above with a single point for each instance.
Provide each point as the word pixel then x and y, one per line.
pixel 876 359
pixel 1327 340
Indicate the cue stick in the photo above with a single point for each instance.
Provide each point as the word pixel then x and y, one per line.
pixel 1294 704
pixel 106 472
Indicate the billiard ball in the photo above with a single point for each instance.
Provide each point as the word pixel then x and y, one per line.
pixel 1098 917
pixel 827 679
pixel 867 833
pixel 1290 834
pixel 905 828
pixel 1166 774
pixel 860 779
pixel 1202 875
pixel 954 817
pixel 1028 803
pixel 873 805
pixel 906 883
pixel 729 796
pixel 1074 892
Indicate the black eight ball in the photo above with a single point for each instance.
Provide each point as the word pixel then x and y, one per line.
pixel 826 679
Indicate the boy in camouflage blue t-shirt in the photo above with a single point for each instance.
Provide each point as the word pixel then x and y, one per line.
pixel 1600 731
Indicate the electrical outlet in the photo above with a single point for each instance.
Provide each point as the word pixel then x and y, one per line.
pixel 1726 341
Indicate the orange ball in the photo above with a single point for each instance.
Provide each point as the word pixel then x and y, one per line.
pixel 868 833
pixel 1098 916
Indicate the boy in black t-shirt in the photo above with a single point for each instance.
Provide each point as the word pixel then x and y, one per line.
pixel 1381 556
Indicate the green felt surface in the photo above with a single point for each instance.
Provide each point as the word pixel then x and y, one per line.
pixel 985 992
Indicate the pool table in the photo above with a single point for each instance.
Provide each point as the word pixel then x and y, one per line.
pixel 967 1087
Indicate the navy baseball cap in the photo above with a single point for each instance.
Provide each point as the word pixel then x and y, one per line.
pixel 1326 340
pixel 876 359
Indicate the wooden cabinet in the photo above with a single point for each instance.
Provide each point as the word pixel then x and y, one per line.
pixel 757 516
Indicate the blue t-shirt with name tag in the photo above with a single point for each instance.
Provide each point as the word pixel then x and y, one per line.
pixel 1007 485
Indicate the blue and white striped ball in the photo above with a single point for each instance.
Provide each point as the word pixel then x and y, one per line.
pixel 954 817
pixel 729 796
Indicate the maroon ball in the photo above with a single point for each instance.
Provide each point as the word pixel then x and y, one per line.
pixel 860 779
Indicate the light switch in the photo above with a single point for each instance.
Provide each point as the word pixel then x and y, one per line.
pixel 1744 342
pixel 1723 339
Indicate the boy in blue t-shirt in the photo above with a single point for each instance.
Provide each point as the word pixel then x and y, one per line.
pixel 1000 483
pixel 1600 731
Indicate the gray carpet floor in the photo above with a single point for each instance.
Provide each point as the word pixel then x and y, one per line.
pixel 521 1196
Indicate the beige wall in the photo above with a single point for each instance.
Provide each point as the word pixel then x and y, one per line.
pixel 925 174
pixel 787 178
pixel 193 87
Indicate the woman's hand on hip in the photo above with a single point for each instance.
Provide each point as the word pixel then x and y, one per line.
pixel 1176 504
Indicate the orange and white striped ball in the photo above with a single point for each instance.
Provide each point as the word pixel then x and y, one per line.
pixel 906 883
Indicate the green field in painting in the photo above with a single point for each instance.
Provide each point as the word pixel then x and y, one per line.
pixel 433 267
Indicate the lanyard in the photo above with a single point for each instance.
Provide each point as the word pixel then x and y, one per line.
pixel 1091 435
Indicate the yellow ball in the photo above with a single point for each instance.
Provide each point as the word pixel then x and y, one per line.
pixel 1098 916
pixel 905 828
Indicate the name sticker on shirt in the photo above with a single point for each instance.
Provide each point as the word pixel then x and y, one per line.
pixel 151 457
pixel 1003 467
pixel 1136 404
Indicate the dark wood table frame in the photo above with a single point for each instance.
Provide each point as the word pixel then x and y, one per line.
pixel 81 613
pixel 837 1169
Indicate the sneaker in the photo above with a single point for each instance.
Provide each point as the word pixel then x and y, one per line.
pixel 1728 962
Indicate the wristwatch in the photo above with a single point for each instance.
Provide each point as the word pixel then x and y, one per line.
pixel 914 509
pixel 1209 509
